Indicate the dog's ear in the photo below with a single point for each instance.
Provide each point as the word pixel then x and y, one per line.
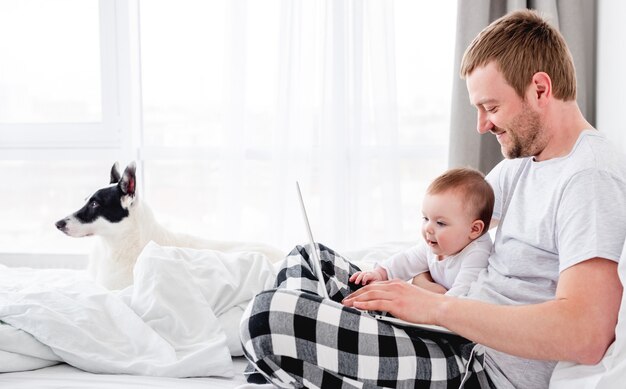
pixel 115 173
pixel 127 183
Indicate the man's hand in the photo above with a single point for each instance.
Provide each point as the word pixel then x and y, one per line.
pixel 401 299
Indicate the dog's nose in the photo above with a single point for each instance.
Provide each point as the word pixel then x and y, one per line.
pixel 60 224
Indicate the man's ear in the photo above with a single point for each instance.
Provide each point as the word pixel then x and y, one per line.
pixel 115 173
pixel 542 87
pixel 478 226
pixel 127 183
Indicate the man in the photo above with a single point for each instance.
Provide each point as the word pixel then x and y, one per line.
pixel 551 290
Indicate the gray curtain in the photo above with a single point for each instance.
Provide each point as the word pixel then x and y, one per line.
pixel 576 19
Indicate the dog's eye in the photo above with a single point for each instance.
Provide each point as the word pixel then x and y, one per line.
pixel 94 204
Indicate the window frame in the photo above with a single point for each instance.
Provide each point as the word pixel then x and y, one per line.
pixel 112 136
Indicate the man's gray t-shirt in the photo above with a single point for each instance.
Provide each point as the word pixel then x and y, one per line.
pixel 553 214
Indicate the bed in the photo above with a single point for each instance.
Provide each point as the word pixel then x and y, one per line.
pixel 66 376
pixel 175 327
pixel 118 366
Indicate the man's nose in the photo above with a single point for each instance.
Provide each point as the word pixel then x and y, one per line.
pixel 483 125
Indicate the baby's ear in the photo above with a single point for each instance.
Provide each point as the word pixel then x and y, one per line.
pixel 478 226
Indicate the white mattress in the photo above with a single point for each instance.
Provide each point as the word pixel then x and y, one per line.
pixel 66 377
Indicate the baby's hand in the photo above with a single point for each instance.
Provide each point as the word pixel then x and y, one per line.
pixel 365 277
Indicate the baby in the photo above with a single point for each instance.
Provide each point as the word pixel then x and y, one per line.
pixel 456 212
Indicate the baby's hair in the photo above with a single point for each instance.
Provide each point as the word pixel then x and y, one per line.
pixel 472 186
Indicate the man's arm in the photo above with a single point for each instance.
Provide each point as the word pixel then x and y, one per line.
pixel 578 325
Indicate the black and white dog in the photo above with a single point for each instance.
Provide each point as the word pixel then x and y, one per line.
pixel 125 225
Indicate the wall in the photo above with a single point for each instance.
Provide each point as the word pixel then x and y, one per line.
pixel 611 77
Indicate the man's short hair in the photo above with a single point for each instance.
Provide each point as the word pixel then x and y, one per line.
pixel 521 44
pixel 472 186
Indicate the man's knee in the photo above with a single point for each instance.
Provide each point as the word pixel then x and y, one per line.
pixel 270 312
pixel 255 319
pixel 298 250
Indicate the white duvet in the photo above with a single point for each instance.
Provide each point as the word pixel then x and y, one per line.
pixel 179 319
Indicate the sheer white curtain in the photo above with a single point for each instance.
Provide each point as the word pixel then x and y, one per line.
pixel 225 103
pixel 337 116
pixel 343 96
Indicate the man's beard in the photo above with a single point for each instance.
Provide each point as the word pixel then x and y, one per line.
pixel 525 135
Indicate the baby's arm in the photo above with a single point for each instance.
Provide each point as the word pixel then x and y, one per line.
pixel 365 277
pixel 402 265
pixel 424 280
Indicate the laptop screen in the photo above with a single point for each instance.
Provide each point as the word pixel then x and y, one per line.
pixel 317 261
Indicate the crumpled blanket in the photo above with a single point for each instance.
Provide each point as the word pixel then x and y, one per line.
pixel 179 319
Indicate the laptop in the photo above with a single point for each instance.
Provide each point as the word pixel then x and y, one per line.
pixel 317 264
pixel 317 260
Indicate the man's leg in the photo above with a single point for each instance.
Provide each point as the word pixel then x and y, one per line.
pixel 295 338
pixel 297 273
pixel 298 339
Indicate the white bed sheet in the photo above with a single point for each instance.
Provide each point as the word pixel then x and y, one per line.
pixel 68 377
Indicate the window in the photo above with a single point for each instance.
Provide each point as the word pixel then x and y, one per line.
pixel 225 104
pixel 58 76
